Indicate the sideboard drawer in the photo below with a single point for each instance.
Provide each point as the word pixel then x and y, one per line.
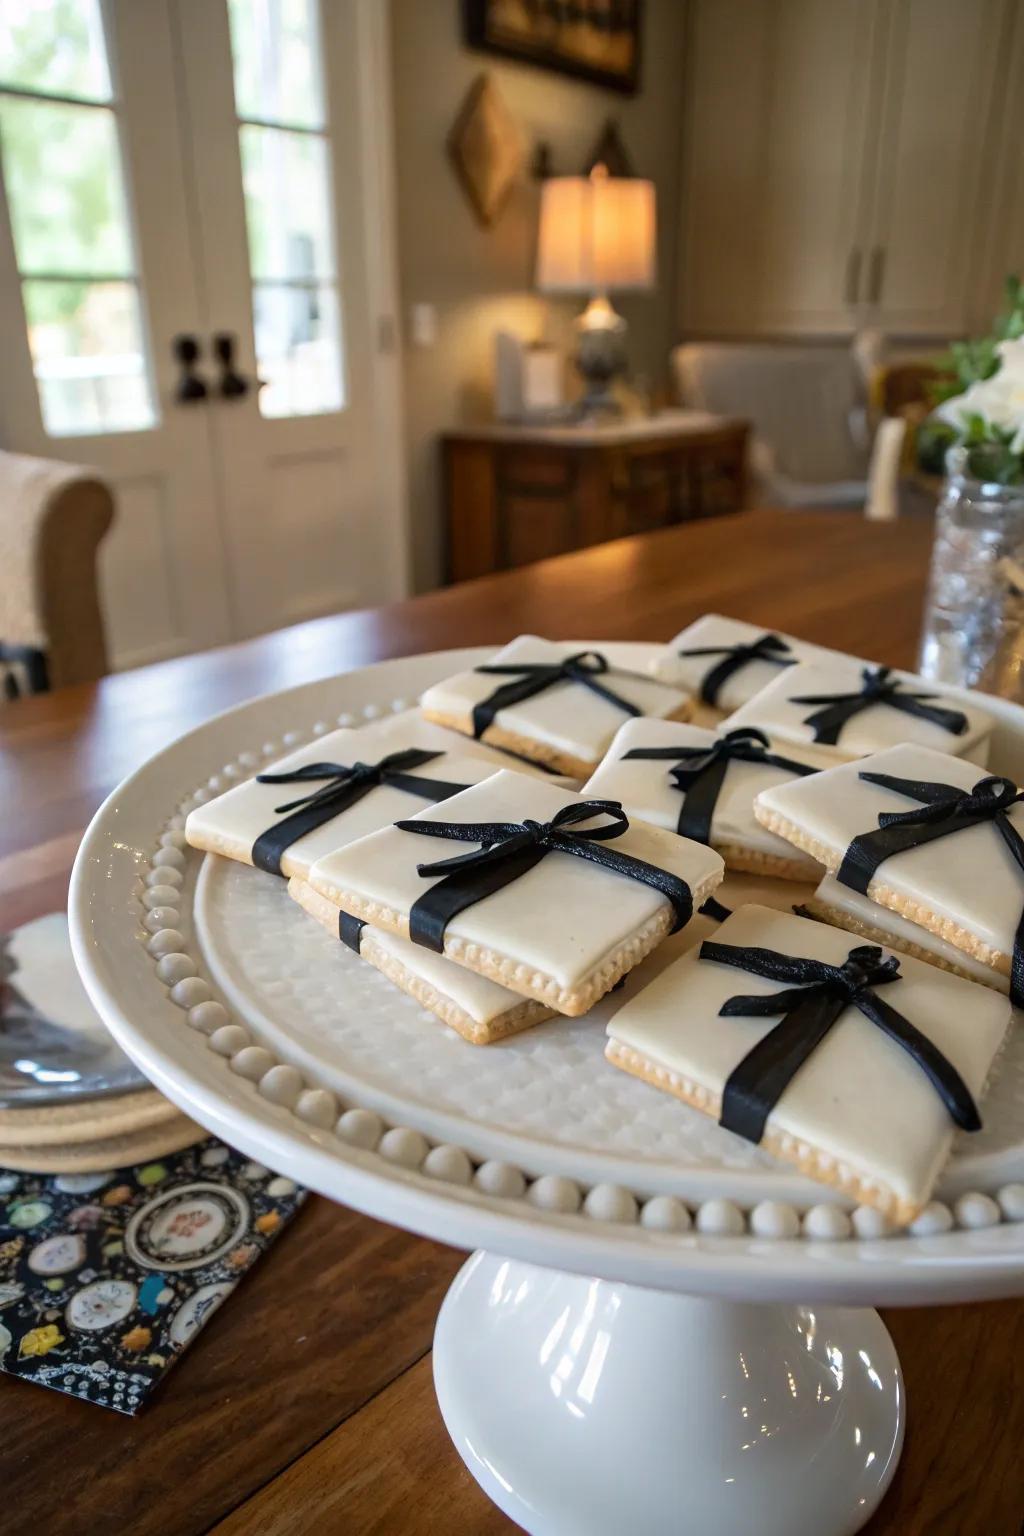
pixel 510 499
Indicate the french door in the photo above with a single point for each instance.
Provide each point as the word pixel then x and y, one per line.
pixel 195 288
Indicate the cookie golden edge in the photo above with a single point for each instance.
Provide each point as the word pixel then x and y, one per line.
pixel 885 896
pixel 814 1162
pixel 526 746
pixel 516 974
pixel 750 861
pixel 877 934
pixel 513 1021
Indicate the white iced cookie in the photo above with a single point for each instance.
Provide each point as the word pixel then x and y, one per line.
pixel 480 1010
pixel 702 785
pixel 841 709
pixel 964 886
pixel 557 926
pixel 233 823
pixel 837 904
pixel 549 702
pixel 858 1111
pixel 724 662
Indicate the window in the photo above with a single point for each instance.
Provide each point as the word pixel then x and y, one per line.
pixel 64 179
pixel 285 152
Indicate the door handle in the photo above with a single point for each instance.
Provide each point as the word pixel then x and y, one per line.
pixel 853 275
pixel 191 387
pixel 876 275
pixel 233 385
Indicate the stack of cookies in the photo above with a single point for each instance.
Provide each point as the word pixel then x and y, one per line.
pixel 511 850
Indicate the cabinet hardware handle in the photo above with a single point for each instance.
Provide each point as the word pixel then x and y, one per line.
pixel 233 385
pixel 853 275
pixel 876 276
pixel 191 388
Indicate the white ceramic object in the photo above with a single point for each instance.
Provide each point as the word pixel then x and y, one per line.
pixel 629 1410
pixel 278 1053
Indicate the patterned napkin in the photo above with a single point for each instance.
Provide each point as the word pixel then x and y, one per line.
pixel 105 1278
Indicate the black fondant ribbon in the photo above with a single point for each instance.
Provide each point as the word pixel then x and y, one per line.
pixel 815 996
pixel 944 809
pixel 585 668
pixel 509 849
pixel 717 910
pixel 770 648
pixel 341 788
pixel 699 773
pixel 350 930
pixel 878 686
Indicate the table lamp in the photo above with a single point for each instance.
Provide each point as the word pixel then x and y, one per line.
pixel 597 235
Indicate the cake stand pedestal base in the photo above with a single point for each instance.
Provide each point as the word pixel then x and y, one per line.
pixel 587 1408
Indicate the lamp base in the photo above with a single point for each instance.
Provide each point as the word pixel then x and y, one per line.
pixel 600 357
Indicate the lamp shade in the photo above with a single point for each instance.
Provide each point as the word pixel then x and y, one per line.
pixel 597 233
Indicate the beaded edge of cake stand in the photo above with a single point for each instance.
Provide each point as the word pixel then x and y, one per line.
pixel 283 1085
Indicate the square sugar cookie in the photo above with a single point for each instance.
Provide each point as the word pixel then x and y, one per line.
pixel 873 719
pixel 703 786
pixel 569 723
pixel 233 824
pixel 724 662
pixel 859 1113
pixel 843 908
pixel 560 928
pixel 480 1010
pixel 964 886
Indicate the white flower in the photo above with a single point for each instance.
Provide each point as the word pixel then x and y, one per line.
pixel 999 401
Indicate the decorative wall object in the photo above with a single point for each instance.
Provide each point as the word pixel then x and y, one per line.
pixel 599 41
pixel 610 152
pixel 486 149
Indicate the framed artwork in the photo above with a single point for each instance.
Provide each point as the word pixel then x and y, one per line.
pixel 596 40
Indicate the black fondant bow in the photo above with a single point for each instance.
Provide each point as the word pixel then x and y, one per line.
pixel 878 686
pixel 585 668
pixel 816 997
pixel 699 773
pixel 509 849
pixel 771 648
pixel 944 809
pixel 341 788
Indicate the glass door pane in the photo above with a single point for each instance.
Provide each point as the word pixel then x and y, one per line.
pixel 65 187
pixel 285 152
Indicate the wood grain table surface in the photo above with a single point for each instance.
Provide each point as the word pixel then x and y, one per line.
pixel 307 1405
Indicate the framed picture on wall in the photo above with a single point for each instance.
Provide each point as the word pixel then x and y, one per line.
pixel 596 40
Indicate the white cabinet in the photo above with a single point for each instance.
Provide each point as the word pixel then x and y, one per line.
pixel 1003 189
pixel 835 161
pixel 941 68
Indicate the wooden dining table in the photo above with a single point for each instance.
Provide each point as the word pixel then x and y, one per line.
pixel 307 1404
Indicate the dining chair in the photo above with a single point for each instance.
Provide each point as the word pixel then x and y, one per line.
pixel 805 403
pixel 53 517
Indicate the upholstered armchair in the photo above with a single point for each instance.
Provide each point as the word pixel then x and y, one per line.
pixel 806 403
pixel 53 517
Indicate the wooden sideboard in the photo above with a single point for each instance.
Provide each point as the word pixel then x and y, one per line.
pixel 518 494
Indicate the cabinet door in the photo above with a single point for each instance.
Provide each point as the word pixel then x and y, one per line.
pixel 941 75
pixel 999 247
pixel 777 163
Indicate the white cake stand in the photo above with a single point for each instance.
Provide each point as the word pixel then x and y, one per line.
pixel 662 1329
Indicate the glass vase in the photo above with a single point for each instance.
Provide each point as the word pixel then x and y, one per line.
pixel 974 619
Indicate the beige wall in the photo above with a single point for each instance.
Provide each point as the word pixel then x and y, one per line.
pixel 480 279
